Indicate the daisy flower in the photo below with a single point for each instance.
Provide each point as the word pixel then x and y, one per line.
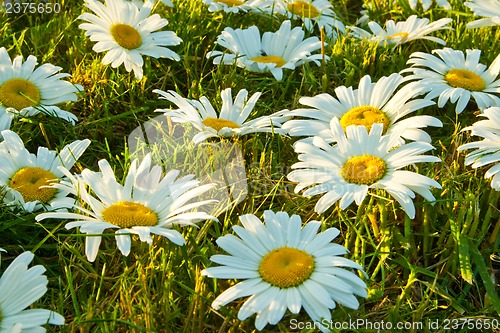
pixel 25 176
pixel 145 204
pixel 21 286
pixel 371 103
pixel 490 9
pixel 487 151
pixel 232 6
pixel 126 32
pixel 285 265
pixel 359 161
pixel 426 4
pixel 5 120
pixel 312 12
pixel 26 91
pixel 283 49
pixel 231 121
pixel 402 32
pixel 455 77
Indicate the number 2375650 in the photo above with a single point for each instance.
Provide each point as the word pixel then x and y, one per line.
pixel 41 7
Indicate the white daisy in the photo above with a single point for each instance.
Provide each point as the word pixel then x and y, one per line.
pixel 456 77
pixel 231 121
pixel 21 286
pixel 318 13
pixel 126 32
pixel 232 6
pixel 369 104
pixel 5 120
pixel 487 151
pixel 26 91
pixel 426 4
pixel 285 48
pixel 285 265
pixel 25 175
pixel 490 9
pixel 360 161
pixel 145 204
pixel 402 32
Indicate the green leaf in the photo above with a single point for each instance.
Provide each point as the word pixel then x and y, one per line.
pixel 481 267
pixel 463 247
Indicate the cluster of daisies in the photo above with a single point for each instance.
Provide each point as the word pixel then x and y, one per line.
pixel 285 264
pixel 361 139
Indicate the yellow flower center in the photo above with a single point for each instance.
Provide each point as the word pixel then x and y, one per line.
pixel 286 267
pixel 231 3
pixel 402 35
pixel 303 9
pixel 19 94
pixel 126 36
pixel 364 169
pixel 265 59
pixel 364 116
pixel 463 78
pixel 28 181
pixel 128 214
pixel 218 124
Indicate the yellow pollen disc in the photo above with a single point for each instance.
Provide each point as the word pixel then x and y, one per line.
pixel 231 3
pixel 19 94
pixel 462 78
pixel 218 124
pixel 303 9
pixel 279 61
pixel 27 181
pixel 364 169
pixel 126 36
pixel 286 267
pixel 364 116
pixel 126 214
pixel 403 35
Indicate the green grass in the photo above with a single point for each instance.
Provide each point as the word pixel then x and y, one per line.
pixel 442 266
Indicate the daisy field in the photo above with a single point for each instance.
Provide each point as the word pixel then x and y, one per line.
pixel 283 190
